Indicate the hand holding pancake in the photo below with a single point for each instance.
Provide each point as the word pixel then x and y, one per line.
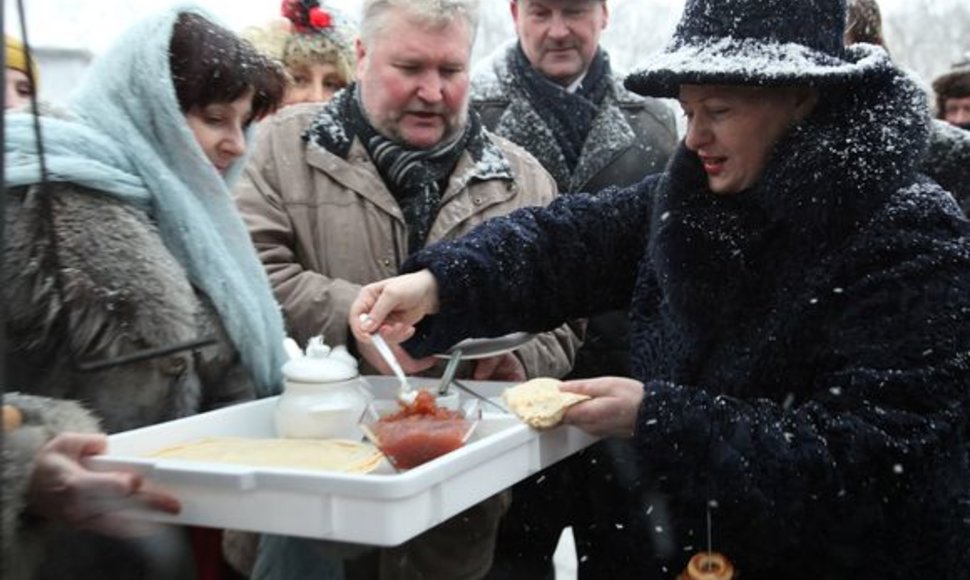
pixel 540 403
pixel 612 409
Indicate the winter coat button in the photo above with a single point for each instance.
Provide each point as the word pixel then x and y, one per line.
pixel 477 201
pixel 386 262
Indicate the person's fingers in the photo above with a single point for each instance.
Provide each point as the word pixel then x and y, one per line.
pixel 396 331
pixel 99 507
pixel 388 324
pixel 365 313
pixel 367 323
pixel 95 445
pixel 586 411
pixel 611 411
pixel 118 525
pixel 503 367
pixel 590 417
pixel 62 476
pixel 384 303
pixel 369 352
pixel 109 485
pixel 411 365
pixel 76 509
pixel 63 489
pixel 359 317
pixel 485 368
pixel 158 499
pixel 85 494
pixel 77 445
pixel 590 388
pixel 118 518
pixel 423 364
pixel 601 386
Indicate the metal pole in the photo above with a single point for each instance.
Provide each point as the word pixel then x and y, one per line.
pixel 3 306
pixel 3 219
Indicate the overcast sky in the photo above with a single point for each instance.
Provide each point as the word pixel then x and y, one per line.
pixel 92 24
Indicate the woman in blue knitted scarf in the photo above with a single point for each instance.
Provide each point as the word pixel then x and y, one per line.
pixel 132 290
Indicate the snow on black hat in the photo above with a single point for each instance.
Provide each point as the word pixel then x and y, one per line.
pixel 753 42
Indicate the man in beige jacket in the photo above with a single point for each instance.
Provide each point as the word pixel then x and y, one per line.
pixel 327 218
pixel 336 196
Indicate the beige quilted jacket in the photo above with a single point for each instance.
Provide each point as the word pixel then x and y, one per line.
pixel 324 226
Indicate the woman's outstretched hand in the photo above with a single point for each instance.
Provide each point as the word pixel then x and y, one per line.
pixel 393 306
pixel 62 489
pixel 612 409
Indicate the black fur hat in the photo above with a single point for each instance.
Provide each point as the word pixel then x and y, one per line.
pixel 952 85
pixel 956 83
pixel 754 42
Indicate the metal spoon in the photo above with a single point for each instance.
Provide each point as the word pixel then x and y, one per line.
pixel 406 394
pixel 450 371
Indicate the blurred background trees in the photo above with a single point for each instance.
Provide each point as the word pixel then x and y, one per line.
pixel 924 36
pixel 927 36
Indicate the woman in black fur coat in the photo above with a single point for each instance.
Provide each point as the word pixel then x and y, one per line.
pixel 800 299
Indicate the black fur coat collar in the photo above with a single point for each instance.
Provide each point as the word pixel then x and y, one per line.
pixel 822 182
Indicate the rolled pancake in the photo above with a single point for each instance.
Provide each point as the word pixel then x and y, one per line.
pixel 539 402
pixel 316 454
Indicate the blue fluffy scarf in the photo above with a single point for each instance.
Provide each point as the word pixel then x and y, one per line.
pixel 128 138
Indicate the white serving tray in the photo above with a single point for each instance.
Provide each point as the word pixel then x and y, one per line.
pixel 380 508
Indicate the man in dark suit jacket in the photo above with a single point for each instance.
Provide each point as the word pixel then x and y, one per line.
pixel 553 92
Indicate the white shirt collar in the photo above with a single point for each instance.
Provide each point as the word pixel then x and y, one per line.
pixel 574 86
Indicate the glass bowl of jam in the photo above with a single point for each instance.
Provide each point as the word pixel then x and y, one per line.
pixel 412 434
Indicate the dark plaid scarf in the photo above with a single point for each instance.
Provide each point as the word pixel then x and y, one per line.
pixel 568 115
pixel 415 177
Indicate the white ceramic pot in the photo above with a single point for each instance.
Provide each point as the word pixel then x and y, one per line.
pixel 323 397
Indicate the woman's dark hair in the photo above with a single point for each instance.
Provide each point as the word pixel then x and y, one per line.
pixel 212 65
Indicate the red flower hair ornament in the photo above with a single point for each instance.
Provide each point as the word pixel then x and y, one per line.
pixel 320 18
pixel 306 15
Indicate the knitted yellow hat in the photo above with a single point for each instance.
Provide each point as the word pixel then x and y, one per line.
pixel 17 59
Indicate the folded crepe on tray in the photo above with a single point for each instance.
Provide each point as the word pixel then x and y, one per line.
pixel 316 454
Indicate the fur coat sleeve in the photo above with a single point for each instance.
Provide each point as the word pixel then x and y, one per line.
pixel 595 242
pixel 42 419
pixel 123 292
